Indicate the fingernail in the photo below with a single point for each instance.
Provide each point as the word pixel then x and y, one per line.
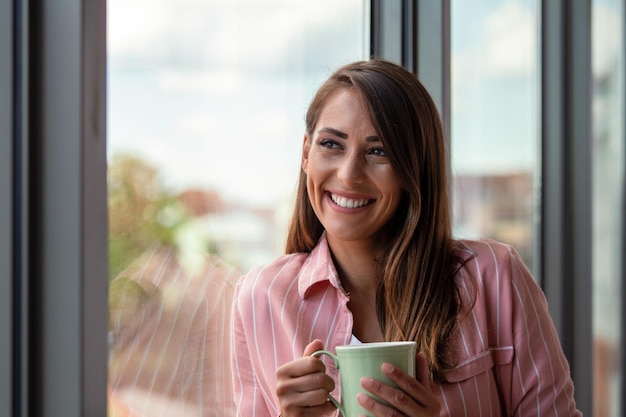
pixel 388 368
pixel 361 398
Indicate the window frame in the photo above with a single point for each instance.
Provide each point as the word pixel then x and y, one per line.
pixel 566 221
pixel 54 208
pixel 6 208
pixel 53 297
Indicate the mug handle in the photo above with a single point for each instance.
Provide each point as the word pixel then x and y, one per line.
pixel 332 399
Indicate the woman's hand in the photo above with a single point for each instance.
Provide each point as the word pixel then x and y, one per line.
pixel 413 397
pixel 302 386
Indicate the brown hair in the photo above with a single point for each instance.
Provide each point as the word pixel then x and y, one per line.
pixel 417 298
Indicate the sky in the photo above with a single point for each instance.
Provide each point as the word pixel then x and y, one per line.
pixel 219 102
pixel 213 92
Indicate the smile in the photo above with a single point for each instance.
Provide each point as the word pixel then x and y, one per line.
pixel 347 202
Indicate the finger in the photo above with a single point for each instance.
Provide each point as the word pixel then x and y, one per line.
pixel 411 386
pixel 375 407
pixel 410 395
pixel 313 347
pixel 300 367
pixel 303 385
pixel 299 396
pixel 422 374
pixel 384 392
pixel 307 411
pixel 304 365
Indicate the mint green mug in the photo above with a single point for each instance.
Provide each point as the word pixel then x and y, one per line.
pixel 366 359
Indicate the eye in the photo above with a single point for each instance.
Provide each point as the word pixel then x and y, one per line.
pixel 329 144
pixel 378 152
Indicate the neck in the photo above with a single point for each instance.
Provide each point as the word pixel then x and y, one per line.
pixel 357 265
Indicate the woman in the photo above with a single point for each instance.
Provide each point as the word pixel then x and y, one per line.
pixel 370 257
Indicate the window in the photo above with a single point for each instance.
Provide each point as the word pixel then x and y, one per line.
pixel 206 122
pixel 609 152
pixel 53 183
pixel 494 122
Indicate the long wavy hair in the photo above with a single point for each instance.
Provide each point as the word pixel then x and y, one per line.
pixel 417 297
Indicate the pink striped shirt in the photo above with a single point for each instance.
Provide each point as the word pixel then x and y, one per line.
pixel 509 359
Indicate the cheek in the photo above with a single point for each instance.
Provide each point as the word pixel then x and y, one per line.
pixel 311 190
pixel 316 172
pixel 392 183
pixel 398 193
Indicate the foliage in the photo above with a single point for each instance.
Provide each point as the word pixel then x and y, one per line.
pixel 142 212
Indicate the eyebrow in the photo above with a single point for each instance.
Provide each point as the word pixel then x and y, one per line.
pixel 344 135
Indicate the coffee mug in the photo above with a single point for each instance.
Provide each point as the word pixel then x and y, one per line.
pixel 366 359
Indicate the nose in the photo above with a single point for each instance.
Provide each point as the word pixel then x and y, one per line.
pixel 351 169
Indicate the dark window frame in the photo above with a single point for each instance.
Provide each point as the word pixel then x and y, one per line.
pixel 53 220
pixel 53 297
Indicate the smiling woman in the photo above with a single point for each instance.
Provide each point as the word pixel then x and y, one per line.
pixel 382 266
pixel 192 83
pixel 351 184
pixel 191 107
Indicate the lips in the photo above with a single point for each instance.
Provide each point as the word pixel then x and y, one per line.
pixel 349 202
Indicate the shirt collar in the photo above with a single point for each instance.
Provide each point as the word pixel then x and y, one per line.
pixel 318 267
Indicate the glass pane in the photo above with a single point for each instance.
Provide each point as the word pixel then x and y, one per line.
pixel 495 131
pixel 206 122
pixel 608 201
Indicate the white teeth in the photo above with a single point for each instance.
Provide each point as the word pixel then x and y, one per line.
pixel 348 203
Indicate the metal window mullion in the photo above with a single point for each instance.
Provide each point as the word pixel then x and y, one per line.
pixel 409 35
pixel 566 183
pixel 553 195
pixel 386 30
pixel 94 211
pixel 6 207
pixel 69 221
pixel 14 215
pixel 21 199
pixel 432 44
pixel 622 284
pixel 579 187
pixel 416 34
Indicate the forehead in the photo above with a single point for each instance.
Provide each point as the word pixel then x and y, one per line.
pixel 345 109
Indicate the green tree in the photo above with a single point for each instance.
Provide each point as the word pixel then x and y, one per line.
pixel 142 211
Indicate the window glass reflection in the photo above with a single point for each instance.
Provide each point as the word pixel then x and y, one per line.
pixel 608 200
pixel 206 109
pixel 494 124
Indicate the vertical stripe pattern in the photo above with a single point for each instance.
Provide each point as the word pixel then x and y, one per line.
pixel 508 358
pixel 170 338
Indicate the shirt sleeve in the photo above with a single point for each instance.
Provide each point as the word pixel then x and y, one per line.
pixel 540 381
pixel 248 396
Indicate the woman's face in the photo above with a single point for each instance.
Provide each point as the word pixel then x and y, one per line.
pixel 352 186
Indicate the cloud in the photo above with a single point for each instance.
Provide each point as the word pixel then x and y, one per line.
pixel 495 78
pixel 252 34
pixel 497 43
pixel 141 31
pixel 203 81
pixel 511 40
pixel 607 38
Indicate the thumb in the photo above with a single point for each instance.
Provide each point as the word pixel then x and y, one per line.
pixel 313 346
